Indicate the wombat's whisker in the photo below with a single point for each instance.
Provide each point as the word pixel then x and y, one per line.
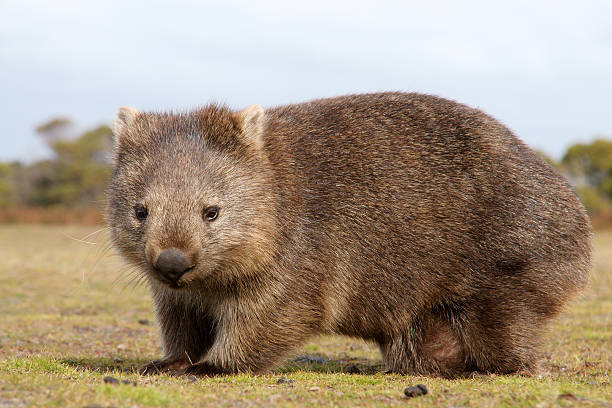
pixel 78 240
pixel 94 233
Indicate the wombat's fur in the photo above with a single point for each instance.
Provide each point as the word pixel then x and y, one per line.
pixel 408 220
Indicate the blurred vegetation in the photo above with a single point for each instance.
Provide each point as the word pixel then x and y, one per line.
pixel 75 176
pixel 589 169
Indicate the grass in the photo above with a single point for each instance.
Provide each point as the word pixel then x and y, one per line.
pixel 52 215
pixel 68 319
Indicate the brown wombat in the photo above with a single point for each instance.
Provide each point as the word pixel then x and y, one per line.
pixel 408 220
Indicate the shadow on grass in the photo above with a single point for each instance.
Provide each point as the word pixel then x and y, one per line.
pixel 305 363
pixel 317 364
pixel 104 364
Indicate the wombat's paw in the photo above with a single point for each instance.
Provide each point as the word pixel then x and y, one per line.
pixel 201 370
pixel 473 374
pixel 171 366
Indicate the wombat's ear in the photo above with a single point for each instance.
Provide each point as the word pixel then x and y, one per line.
pixel 251 122
pixel 125 117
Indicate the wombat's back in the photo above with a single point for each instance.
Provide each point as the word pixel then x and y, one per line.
pixel 428 206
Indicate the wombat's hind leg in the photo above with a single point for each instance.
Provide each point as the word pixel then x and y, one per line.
pixel 502 333
pixel 432 347
pixel 442 346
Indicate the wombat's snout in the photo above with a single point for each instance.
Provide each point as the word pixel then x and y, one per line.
pixel 172 263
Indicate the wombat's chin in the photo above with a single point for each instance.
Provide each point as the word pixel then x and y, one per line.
pixel 191 280
pixel 158 280
pixel 177 285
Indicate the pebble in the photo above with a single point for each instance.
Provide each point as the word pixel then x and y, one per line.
pixel 309 359
pixel 118 360
pixel 285 380
pixel 415 391
pixel 111 380
pixel 144 322
pixel 568 397
pixel 191 378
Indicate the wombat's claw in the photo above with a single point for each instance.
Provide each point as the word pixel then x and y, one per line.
pixel 149 369
pixel 474 374
pixel 199 369
pixel 162 366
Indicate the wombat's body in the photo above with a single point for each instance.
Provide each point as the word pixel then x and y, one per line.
pixel 409 220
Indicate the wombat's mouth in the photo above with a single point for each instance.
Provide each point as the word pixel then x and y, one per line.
pixel 180 283
pixel 176 285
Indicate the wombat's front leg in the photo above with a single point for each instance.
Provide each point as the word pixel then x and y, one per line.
pixel 251 340
pixel 186 332
pixel 254 356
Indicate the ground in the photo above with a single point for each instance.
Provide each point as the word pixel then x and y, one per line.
pixel 69 317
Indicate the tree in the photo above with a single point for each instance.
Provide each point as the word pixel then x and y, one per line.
pixel 55 129
pixel 80 170
pixel 589 168
pixel 6 185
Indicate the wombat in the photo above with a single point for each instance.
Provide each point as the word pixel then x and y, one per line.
pixel 408 220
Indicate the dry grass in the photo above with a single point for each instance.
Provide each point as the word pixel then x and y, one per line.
pixel 44 215
pixel 69 319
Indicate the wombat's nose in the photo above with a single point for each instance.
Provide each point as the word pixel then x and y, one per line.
pixel 172 263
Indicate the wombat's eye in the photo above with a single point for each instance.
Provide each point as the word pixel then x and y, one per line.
pixel 211 213
pixel 140 211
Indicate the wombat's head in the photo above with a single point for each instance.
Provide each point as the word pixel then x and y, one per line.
pixel 189 200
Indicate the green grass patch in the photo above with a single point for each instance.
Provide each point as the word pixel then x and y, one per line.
pixel 33 365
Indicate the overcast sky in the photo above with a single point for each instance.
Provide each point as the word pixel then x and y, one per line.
pixel 544 68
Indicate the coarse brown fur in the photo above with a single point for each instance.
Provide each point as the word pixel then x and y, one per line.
pixel 408 220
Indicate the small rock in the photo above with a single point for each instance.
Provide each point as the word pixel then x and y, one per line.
pixel 568 397
pixel 122 347
pixel 309 359
pixel 128 382
pixel 144 322
pixel 314 389
pixel 118 360
pixel 191 378
pixel 285 380
pixel 111 380
pixel 415 391
pixel 352 369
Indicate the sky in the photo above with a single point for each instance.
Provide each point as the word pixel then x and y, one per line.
pixel 543 68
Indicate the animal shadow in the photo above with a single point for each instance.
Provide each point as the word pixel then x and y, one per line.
pixel 104 364
pixel 307 363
